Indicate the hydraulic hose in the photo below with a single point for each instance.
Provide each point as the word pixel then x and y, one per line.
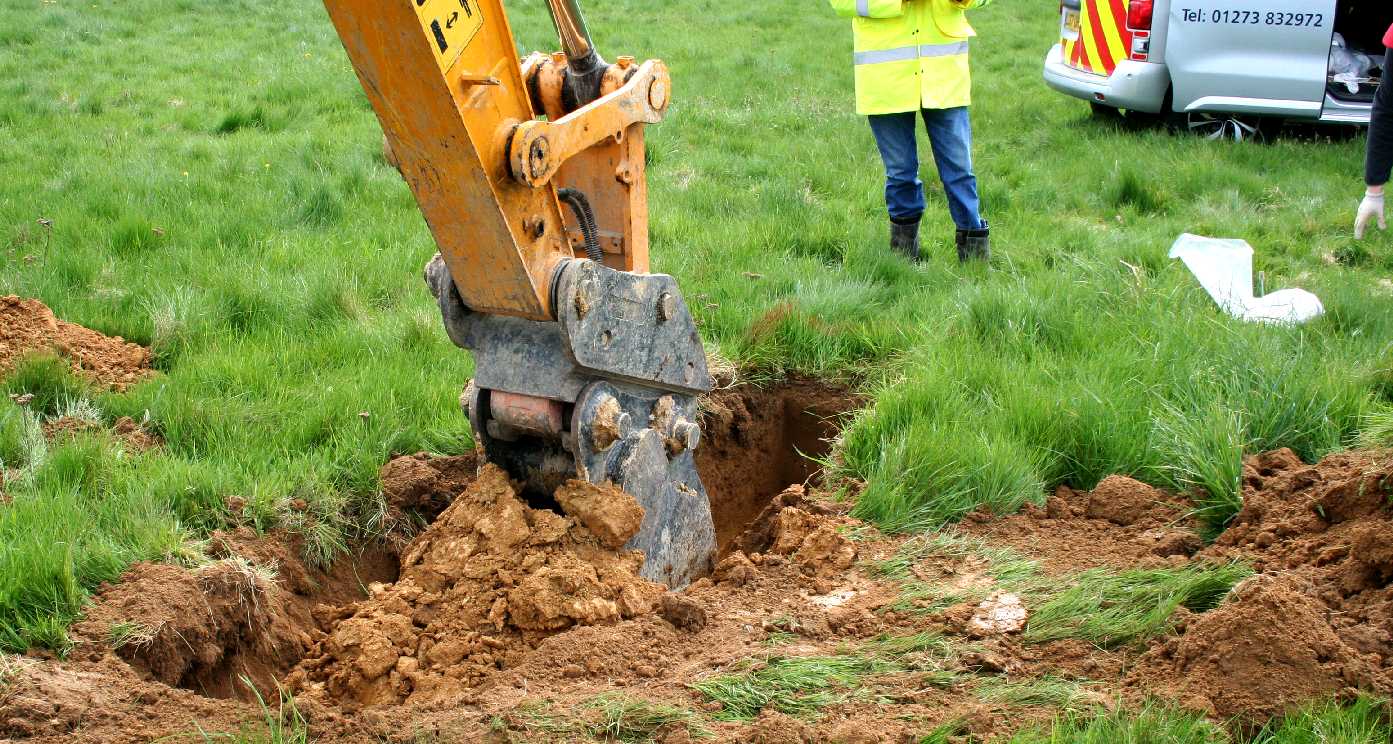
pixel 586 217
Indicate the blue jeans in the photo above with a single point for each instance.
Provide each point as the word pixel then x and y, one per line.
pixel 950 135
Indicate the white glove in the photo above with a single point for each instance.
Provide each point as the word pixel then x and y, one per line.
pixel 1371 207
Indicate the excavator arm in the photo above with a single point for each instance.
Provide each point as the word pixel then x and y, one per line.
pixel 530 175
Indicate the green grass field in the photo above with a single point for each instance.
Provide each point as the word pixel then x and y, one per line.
pixel 215 187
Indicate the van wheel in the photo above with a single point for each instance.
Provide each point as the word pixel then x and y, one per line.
pixel 1103 111
pixel 1229 127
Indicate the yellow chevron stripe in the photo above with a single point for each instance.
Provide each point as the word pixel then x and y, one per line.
pixel 1090 45
pixel 1110 30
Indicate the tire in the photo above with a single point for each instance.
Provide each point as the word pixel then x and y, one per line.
pixel 1227 127
pixel 1104 111
pixel 1165 118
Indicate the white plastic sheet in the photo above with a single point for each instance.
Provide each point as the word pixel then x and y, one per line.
pixel 1225 269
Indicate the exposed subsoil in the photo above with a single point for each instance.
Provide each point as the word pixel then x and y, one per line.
pixel 1316 620
pixel 757 441
pixel 29 327
pixel 500 622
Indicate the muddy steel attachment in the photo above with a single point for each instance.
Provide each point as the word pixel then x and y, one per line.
pixel 607 394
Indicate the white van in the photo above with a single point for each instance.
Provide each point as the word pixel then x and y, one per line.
pixel 1220 66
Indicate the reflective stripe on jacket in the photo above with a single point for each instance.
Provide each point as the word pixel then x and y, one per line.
pixel 910 54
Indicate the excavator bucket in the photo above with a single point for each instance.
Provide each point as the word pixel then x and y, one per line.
pixel 541 408
pixel 530 175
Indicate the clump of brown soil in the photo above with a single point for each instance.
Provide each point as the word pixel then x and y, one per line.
pixel 1123 523
pixel 1269 647
pixel 248 614
pixel 484 584
pixel 424 484
pixel 28 326
pixel 796 525
pixel 164 652
pixel 200 629
pixel 1330 524
pixel 126 430
pixel 1318 620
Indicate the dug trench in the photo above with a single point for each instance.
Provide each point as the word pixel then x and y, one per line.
pixel 489 620
pixel 257 619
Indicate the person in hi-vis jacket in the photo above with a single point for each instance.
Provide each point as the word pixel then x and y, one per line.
pixel 911 60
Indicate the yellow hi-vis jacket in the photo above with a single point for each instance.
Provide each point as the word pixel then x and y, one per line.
pixel 910 54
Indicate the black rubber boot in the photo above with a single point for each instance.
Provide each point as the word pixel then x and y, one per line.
pixel 904 238
pixel 975 245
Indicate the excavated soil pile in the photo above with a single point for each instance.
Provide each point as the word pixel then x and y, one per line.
pixel 422 485
pixel 167 649
pixel 1122 523
pixel 200 629
pixel 484 584
pixel 1318 620
pixel 28 327
pixel 250 613
pixel 1269 647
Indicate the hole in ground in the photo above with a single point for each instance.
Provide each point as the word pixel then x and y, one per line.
pixel 757 441
pixel 205 631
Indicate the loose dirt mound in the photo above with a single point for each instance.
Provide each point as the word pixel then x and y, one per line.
pixel 1330 524
pixel 1319 619
pixel 1122 523
pixel 163 628
pixel 201 629
pixel 28 326
pixel 424 485
pixel 1269 647
pixel 480 587
pixel 249 614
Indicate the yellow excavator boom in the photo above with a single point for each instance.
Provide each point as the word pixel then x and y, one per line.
pixel 530 175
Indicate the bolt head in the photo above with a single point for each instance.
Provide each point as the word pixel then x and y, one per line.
pixel 538 154
pixel 657 95
pixel 667 307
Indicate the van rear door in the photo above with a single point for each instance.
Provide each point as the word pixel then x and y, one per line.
pixel 1250 56
pixel 1094 34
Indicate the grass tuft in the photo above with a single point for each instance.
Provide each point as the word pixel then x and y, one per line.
pixel 797 686
pixel 998 567
pixel 131 633
pixel 1365 721
pixel 11 667
pixel 612 716
pixel 1116 609
pixel 1377 431
pixel 1053 692
pixel 802 686
pixel 625 719
pixel 1154 723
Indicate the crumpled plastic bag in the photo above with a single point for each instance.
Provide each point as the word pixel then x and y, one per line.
pixel 1224 268
pixel 1348 66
